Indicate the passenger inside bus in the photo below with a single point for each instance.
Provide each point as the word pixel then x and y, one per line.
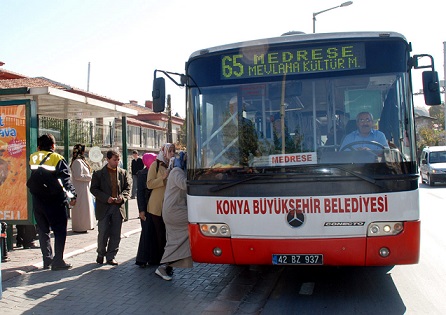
pixel 337 131
pixel 280 133
pixel 340 133
pixel 236 137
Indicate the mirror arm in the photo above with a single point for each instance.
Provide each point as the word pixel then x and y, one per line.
pixel 414 62
pixel 183 77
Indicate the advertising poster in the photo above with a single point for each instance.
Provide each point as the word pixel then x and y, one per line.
pixel 13 166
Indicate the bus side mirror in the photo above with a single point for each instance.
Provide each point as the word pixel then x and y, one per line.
pixel 431 88
pixel 159 95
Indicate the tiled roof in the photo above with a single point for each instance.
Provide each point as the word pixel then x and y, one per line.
pixel 141 109
pixel 29 83
pixel 6 74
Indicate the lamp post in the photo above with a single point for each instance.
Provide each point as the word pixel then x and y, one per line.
pixel 345 4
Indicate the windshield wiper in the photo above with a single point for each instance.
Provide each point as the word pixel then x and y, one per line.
pixel 363 177
pixel 236 182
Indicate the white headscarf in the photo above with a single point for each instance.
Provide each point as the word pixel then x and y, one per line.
pixel 163 155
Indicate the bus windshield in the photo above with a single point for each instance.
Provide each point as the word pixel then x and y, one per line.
pixel 359 119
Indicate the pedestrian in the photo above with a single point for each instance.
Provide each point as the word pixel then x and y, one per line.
pixel 82 214
pixel 142 198
pixel 137 165
pixel 111 185
pixel 51 213
pixel 156 181
pixel 177 250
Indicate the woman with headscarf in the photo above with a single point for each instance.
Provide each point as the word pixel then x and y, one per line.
pixel 142 198
pixel 156 181
pixel 177 250
pixel 82 215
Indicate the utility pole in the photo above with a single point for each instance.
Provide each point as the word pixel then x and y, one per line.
pixel 88 78
pixel 444 82
pixel 169 119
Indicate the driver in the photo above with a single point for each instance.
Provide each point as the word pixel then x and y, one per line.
pixel 365 135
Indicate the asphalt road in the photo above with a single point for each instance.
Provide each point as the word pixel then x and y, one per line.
pixel 403 289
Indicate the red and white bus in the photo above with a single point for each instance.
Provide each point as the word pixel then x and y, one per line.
pixel 310 199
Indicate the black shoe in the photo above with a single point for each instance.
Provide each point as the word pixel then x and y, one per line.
pixel 141 264
pixel 100 260
pixel 112 262
pixel 47 265
pixel 30 246
pixel 64 266
pixel 169 270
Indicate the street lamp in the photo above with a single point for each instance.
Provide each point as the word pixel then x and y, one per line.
pixel 345 4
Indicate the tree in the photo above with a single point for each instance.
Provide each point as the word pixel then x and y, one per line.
pixel 437 112
pixel 434 134
pixel 182 138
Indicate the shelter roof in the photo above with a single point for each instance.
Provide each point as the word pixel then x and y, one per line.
pixel 55 99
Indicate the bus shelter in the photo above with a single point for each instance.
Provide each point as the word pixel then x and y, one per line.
pixel 26 113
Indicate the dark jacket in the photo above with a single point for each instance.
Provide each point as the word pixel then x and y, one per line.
pixel 57 164
pixel 102 190
pixel 137 165
pixel 142 193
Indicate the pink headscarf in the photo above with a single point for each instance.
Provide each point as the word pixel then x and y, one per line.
pixel 148 159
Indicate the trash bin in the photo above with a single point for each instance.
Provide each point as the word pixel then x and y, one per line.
pixel 1 289
pixel 3 241
pixel 3 252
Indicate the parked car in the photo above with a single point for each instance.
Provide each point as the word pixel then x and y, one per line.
pixel 433 165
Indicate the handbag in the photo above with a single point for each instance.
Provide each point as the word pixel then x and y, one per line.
pixel 44 183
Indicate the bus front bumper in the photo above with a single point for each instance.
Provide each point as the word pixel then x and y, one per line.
pixel 355 251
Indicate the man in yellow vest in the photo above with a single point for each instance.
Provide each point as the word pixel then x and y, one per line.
pixel 51 212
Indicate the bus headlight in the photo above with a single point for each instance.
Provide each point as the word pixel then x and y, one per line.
pixel 385 228
pixel 215 229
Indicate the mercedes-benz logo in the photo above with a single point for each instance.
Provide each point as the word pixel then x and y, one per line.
pixel 295 218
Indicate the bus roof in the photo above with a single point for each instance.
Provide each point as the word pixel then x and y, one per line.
pixel 300 37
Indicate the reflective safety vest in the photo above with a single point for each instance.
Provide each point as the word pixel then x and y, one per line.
pixel 50 164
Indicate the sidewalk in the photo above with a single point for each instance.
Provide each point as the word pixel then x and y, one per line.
pixel 25 260
pixel 89 288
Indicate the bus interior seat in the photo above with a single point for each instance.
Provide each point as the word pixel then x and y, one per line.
pixel 350 126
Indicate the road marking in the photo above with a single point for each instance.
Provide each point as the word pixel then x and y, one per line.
pixel 306 288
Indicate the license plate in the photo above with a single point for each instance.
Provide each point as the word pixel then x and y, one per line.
pixel 306 259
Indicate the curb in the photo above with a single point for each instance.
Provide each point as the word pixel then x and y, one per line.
pixel 87 248
pixel 76 252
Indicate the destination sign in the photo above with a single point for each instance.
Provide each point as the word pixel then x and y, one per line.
pixel 274 62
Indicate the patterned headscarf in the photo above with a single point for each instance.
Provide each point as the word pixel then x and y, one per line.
pixel 78 153
pixel 164 153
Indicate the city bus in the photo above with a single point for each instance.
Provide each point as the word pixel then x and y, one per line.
pixel 271 179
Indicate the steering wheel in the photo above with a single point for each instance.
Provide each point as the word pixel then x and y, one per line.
pixel 350 145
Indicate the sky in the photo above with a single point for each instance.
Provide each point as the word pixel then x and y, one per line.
pixel 124 41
